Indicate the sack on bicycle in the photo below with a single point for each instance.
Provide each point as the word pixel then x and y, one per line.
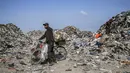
pixel 40 53
pixel 44 54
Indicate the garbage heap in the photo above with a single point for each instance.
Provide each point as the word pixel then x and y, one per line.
pixel 118 39
pixel 70 33
pixel 14 48
pixel 34 36
pixel 118 23
pixel 90 58
pixel 112 57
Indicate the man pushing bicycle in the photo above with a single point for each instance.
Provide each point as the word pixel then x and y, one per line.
pixel 50 41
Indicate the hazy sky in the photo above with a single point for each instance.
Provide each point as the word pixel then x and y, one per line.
pixel 84 14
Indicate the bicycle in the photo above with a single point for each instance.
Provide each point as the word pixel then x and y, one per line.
pixel 36 57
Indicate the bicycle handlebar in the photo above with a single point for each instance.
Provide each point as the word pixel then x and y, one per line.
pixel 40 41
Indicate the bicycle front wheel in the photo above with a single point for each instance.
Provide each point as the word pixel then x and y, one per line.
pixel 36 57
pixel 60 53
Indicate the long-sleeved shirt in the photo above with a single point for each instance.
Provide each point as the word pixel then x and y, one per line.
pixel 48 35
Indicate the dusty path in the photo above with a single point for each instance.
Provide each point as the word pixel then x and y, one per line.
pixel 65 67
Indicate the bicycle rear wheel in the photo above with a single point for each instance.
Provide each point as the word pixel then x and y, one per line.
pixel 60 53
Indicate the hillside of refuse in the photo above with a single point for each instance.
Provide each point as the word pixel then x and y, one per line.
pixel 83 55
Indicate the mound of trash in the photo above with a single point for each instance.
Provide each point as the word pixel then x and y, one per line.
pixel 70 33
pixel 84 54
pixel 14 47
pixel 36 34
pixel 118 23
pixel 112 57
pixel 71 30
pixel 114 54
pixel 117 33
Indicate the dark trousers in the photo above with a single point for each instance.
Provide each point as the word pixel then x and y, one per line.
pixel 51 54
pixel 99 44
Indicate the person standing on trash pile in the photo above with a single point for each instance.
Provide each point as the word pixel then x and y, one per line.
pixel 50 41
pixel 99 42
pixel 98 35
pixel 96 40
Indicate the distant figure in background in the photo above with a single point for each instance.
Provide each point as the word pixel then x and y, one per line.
pixel 98 39
pixel 98 35
pixel 50 41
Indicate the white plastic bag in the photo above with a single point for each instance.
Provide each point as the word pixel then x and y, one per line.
pixel 44 54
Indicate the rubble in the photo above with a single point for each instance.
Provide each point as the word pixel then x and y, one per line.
pixel 119 26
pixel 15 47
pixel 115 47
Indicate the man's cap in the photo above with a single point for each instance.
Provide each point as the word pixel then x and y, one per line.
pixel 45 24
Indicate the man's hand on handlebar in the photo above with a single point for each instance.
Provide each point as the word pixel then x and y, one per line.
pixel 42 41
